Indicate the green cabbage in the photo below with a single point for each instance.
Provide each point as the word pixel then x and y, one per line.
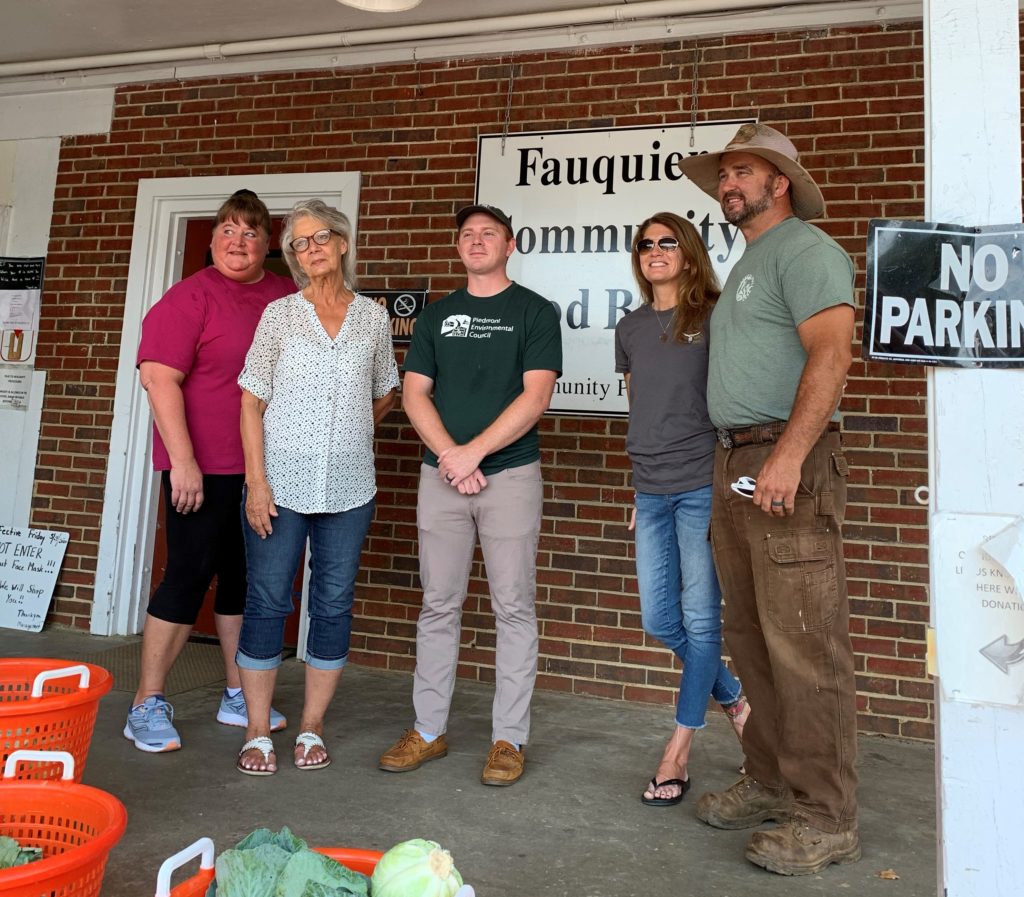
pixel 415 868
pixel 311 874
pixel 278 864
pixel 13 854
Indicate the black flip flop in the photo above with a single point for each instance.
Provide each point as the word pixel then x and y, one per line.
pixel 666 801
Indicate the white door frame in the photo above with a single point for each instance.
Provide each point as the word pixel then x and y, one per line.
pixel 164 206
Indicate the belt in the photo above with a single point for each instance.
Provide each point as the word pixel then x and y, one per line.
pixel 760 434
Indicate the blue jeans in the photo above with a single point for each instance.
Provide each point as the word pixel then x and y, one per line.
pixel 680 600
pixel 335 544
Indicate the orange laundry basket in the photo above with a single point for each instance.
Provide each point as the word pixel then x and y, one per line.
pixel 51 705
pixel 75 826
pixel 357 860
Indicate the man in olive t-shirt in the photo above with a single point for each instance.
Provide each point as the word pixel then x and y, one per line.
pixel 478 376
pixel 780 351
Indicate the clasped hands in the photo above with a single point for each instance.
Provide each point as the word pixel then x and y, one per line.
pixel 459 467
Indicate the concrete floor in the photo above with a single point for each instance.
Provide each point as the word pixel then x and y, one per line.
pixel 572 827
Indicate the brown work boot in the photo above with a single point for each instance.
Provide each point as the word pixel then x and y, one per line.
pixel 411 752
pixel 798 848
pixel 745 804
pixel 504 765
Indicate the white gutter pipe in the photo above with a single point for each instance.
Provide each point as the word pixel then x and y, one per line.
pixel 589 15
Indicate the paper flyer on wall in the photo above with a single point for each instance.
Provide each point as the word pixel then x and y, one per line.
pixel 21 287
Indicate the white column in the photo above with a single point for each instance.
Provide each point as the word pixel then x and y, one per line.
pixel 973 177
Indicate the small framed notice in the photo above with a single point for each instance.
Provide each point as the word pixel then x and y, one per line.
pixel 30 560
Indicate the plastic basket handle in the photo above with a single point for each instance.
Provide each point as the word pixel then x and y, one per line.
pixel 17 757
pixel 204 847
pixel 81 670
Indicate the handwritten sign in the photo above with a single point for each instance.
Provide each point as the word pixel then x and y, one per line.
pixel 30 560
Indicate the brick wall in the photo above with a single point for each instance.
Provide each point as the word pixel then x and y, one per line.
pixel 851 98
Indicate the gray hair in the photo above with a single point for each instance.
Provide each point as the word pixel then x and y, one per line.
pixel 335 220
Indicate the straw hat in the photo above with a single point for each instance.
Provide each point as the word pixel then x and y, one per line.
pixel 769 144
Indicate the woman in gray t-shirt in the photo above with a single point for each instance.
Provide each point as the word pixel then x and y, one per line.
pixel 662 348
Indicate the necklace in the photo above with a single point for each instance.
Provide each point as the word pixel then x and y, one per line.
pixel 687 337
pixel 664 329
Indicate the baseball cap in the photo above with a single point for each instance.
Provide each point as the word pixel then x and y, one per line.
pixel 484 209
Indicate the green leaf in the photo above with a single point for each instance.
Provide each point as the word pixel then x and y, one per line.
pixel 311 874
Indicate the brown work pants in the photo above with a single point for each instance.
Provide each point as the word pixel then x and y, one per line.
pixel 787 629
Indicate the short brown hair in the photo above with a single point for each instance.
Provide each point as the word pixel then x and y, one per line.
pixel 245 207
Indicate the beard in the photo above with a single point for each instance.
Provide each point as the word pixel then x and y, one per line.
pixel 749 209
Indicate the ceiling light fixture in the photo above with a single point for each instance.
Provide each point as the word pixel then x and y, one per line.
pixel 382 5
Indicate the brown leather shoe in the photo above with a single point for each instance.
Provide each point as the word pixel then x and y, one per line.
pixel 798 848
pixel 744 804
pixel 504 765
pixel 411 752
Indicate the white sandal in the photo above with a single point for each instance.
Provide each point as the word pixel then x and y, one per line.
pixel 310 740
pixel 262 744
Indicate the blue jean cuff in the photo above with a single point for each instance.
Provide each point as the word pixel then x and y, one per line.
pixel 257 663
pixel 318 663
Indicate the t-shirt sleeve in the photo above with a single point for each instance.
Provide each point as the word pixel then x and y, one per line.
pixel 172 329
pixel 621 355
pixel 385 368
pixel 257 374
pixel 420 359
pixel 817 278
pixel 543 349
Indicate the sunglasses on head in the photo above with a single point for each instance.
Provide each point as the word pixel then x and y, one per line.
pixel 665 244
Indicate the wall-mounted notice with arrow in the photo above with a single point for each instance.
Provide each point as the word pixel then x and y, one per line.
pixel 979 624
pixel 30 560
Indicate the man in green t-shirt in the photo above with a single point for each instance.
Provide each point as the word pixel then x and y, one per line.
pixel 780 351
pixel 478 376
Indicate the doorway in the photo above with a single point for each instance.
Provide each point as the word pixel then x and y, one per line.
pixel 196 256
pixel 164 208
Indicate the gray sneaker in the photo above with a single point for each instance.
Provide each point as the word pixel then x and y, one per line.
pixel 150 726
pixel 745 804
pixel 233 712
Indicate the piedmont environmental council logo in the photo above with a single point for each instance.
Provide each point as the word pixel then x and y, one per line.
pixel 456 325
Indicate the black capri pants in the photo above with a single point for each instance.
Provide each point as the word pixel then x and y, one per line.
pixel 200 545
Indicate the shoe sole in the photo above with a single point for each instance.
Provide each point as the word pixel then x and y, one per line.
pixel 500 783
pixel 241 722
pixel 149 748
pixel 391 768
pixel 255 772
pixel 732 824
pixel 841 859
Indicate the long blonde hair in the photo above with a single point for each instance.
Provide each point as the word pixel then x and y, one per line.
pixel 698 284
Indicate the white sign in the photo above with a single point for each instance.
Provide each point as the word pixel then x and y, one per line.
pixel 979 615
pixel 15 386
pixel 575 199
pixel 30 560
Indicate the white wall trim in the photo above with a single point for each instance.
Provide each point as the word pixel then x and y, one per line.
pixel 57 113
pixel 163 207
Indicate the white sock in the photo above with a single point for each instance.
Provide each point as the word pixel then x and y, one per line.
pixel 427 738
pixel 232 692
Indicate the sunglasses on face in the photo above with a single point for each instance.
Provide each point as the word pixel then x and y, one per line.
pixel 665 244
pixel 321 237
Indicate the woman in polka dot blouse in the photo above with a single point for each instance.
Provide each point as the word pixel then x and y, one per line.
pixel 319 377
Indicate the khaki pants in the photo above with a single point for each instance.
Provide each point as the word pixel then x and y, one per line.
pixel 787 628
pixel 506 517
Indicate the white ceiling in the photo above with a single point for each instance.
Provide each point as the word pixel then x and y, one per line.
pixel 77 43
pixel 51 29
